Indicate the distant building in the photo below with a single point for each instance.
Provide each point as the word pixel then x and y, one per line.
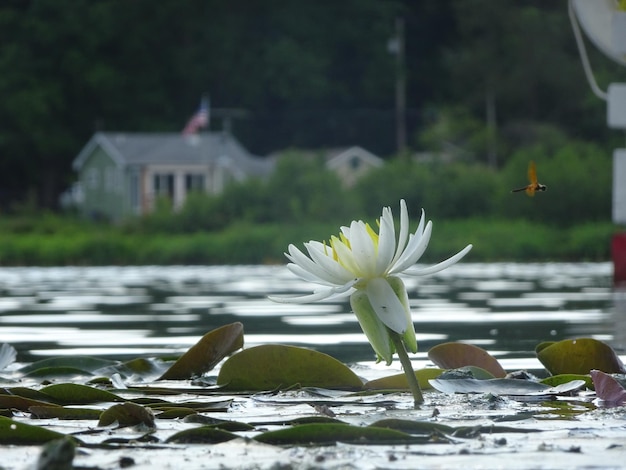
pixel 351 163
pixel 348 163
pixel 123 174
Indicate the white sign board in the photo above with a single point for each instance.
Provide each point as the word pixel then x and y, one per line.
pixel 619 186
pixel 616 106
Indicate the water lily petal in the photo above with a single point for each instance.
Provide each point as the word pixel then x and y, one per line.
pixel 307 276
pixel 386 242
pixel 363 249
pixel 409 339
pixel 301 299
pixel 344 255
pixel 375 330
pixel 414 250
pixel 440 266
pixel 322 294
pixel 386 304
pixel 404 231
pixel 307 264
pixel 320 255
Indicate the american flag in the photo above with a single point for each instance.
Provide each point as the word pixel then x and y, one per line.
pixel 199 119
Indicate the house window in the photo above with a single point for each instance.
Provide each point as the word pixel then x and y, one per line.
pixel 355 162
pixel 194 182
pixel 164 185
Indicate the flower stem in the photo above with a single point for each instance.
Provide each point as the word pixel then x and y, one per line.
pixel 414 385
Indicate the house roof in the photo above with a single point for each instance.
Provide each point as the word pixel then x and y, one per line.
pixel 339 156
pixel 173 148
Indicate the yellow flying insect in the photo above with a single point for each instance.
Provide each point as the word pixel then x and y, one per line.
pixel 534 185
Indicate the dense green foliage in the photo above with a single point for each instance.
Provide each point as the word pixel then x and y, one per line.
pixel 255 221
pixel 289 74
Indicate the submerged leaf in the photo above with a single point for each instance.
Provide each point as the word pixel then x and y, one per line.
pixel 579 356
pixel 607 388
pixel 271 366
pixel 399 381
pixel 127 414
pixel 206 353
pixel 457 355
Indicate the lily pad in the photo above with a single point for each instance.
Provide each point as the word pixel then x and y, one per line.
pixel 324 433
pixel 272 366
pixel 399 382
pixel 61 412
pixel 85 364
pixel 429 428
pixel 555 380
pixel 127 414
pixel 607 388
pixel 202 435
pixel 206 353
pixel 578 356
pixel 77 394
pixel 457 355
pixel 16 433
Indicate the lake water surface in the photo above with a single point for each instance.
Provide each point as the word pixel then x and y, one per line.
pixel 126 312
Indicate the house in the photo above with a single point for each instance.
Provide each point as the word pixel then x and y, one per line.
pixel 123 174
pixel 351 163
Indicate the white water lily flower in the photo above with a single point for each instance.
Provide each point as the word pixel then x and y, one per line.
pixel 364 265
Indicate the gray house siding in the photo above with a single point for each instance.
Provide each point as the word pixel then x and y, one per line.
pixel 124 174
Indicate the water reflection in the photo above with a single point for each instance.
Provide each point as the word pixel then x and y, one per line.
pixel 123 312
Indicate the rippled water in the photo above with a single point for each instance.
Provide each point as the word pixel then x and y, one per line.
pixel 125 312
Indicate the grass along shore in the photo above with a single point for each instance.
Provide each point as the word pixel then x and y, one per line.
pixel 95 244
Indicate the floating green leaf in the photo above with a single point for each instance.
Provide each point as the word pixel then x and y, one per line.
pixel 330 433
pixel 456 355
pixel 555 380
pixel 429 428
pixel 399 382
pixel 206 353
pixel 268 367
pixel 20 403
pixel 202 435
pixel 85 364
pixel 16 433
pixel 60 412
pixel 127 414
pixel 579 356
pixel 56 372
pixel 77 394
pixel 413 427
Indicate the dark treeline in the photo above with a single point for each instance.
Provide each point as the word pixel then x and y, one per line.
pixel 287 73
